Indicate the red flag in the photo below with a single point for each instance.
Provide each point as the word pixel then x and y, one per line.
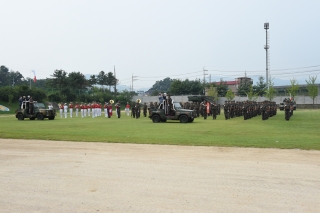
pixel 34 76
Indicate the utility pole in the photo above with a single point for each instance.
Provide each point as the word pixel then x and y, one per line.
pixel 204 75
pixel 204 80
pixel 133 79
pixel 266 47
pixel 115 83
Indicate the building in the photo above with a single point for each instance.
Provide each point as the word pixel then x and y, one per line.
pixel 234 85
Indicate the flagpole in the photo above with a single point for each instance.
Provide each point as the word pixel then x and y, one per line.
pixel 30 79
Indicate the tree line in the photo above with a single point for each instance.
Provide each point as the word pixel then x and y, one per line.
pixel 74 86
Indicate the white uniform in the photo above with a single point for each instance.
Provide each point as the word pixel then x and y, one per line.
pixel 65 107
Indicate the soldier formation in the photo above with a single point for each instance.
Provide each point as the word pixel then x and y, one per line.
pixel 205 109
pixel 249 109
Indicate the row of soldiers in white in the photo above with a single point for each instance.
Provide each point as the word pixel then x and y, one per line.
pixel 84 110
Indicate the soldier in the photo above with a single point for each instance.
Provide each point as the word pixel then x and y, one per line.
pixel 65 108
pixel 133 110
pixel 137 109
pixel 109 109
pixel 226 110
pixel 118 109
pixel 77 108
pixel 82 110
pixel 61 109
pixel 31 105
pixel 204 109
pixel 145 107
pixel 170 105
pixel 127 109
pixel 214 110
pixel 70 109
pixel 151 108
pixel 89 109
pixel 105 107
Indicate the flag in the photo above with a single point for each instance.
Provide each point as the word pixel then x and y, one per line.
pixel 34 76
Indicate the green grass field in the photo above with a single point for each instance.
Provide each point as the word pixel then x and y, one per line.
pixel 301 132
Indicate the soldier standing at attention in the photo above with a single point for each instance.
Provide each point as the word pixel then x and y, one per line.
pixel 105 109
pixel 133 110
pixel 82 110
pixel 71 109
pixel 145 107
pixel 65 107
pixel 127 109
pixel 137 109
pixel 109 110
pixel 118 109
pixel 89 108
pixel 31 105
pixel 204 109
pixel 61 109
pixel 77 108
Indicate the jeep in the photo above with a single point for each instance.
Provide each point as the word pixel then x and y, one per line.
pixel 162 114
pixel 39 111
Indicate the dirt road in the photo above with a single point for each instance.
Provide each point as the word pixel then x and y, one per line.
pixel 55 176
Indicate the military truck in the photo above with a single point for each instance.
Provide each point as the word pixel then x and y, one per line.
pixel 162 113
pixel 39 112
pixel 200 98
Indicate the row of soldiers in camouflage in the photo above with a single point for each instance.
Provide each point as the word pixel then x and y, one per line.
pixel 249 109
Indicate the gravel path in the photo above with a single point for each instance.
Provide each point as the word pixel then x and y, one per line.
pixel 57 176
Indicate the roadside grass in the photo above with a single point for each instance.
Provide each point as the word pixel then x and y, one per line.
pixel 301 132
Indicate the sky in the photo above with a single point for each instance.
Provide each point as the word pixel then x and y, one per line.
pixel 149 40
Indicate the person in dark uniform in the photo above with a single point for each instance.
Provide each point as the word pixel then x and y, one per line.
pixel 170 105
pixel 137 109
pixel 145 107
pixel 133 110
pixel 30 105
pixel 214 110
pixel 118 109
pixel 204 109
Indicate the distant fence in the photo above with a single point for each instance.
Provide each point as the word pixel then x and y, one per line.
pixel 306 100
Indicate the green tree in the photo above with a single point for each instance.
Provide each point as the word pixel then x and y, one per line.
pixel 222 88
pixel 162 85
pixel 230 95
pixel 59 80
pixel 93 80
pixel 270 90
pixel 77 82
pixel 244 87
pixel 293 89
pixel 213 92
pixel 3 75
pixel 312 88
pixel 110 80
pixel 252 96
pixel 179 87
pixel 102 79
pixel 260 87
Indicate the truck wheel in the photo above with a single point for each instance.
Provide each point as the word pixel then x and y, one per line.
pixel 191 120
pixel 156 119
pixel 164 120
pixel 20 117
pixel 51 118
pixel 183 119
pixel 40 116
